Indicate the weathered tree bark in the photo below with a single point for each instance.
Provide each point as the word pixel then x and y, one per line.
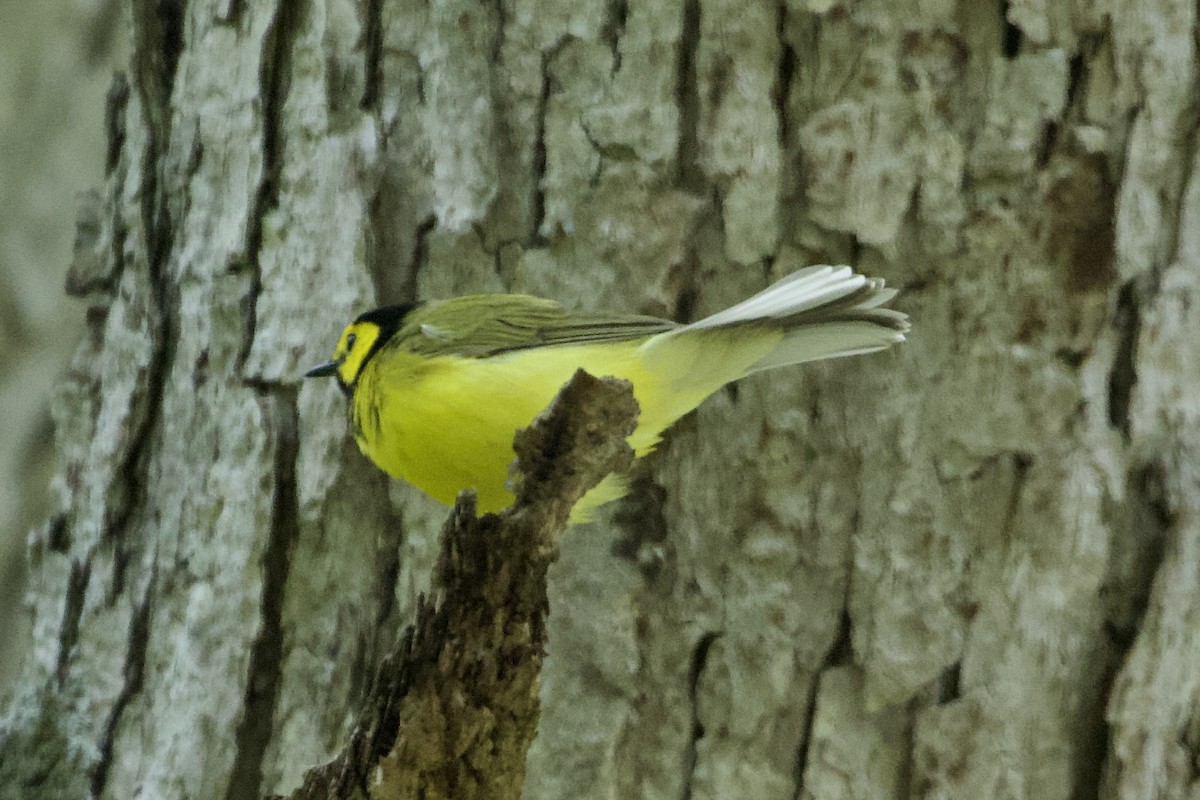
pixel 452 712
pixel 56 59
pixel 968 568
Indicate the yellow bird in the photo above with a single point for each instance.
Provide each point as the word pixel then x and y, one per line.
pixel 437 390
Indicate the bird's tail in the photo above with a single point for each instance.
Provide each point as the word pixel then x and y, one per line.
pixel 818 312
pixel 822 312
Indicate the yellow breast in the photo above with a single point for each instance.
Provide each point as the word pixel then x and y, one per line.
pixel 446 423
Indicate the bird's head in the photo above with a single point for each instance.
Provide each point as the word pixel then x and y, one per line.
pixel 359 342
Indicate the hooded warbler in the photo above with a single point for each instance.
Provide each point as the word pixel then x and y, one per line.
pixel 438 389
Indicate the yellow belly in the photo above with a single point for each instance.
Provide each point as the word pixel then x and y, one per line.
pixel 446 424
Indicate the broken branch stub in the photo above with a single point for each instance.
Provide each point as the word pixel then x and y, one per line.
pixel 452 711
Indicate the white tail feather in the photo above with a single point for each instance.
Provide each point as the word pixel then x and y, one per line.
pixel 828 340
pixel 823 311
pixel 791 295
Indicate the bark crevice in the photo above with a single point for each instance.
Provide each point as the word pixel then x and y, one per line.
pixel 372 56
pixel 133 672
pixel 785 72
pixel 158 40
pixel 614 29
pixel 695 671
pixel 840 652
pixel 266 656
pixel 68 632
pixel 688 175
pixel 1013 37
pixel 273 88
pixel 537 203
pixel 1122 376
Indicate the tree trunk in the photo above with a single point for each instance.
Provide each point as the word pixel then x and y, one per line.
pixel 56 58
pixel 967 568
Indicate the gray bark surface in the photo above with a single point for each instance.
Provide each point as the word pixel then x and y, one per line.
pixel 56 59
pixel 969 567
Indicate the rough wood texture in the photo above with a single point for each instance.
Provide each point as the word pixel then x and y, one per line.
pixel 56 60
pixel 453 709
pixel 966 568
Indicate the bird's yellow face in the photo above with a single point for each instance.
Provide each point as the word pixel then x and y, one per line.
pixel 359 342
pixel 353 348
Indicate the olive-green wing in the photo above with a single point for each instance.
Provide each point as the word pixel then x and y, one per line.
pixel 488 324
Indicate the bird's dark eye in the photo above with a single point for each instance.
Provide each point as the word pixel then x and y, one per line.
pixel 350 340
